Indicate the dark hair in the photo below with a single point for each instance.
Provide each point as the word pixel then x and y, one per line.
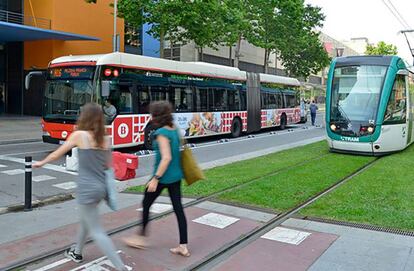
pixel 92 119
pixel 161 113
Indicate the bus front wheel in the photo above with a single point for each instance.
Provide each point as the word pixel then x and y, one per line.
pixel 283 122
pixel 148 131
pixel 236 128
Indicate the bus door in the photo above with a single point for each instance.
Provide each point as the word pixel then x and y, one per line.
pixel 254 117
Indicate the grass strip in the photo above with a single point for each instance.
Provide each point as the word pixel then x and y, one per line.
pixel 382 195
pixel 286 190
pixel 223 177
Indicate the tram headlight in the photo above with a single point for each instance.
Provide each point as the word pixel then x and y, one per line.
pixel 333 127
pixel 370 129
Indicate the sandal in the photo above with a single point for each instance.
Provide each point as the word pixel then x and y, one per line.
pixel 178 251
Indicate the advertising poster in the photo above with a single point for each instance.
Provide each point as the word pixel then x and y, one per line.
pixel 199 124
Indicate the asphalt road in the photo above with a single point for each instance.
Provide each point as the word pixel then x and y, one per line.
pixel 55 180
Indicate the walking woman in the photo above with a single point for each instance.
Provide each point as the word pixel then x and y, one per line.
pixel 167 174
pixel 94 158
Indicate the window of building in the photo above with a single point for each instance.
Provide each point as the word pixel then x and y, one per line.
pixel 132 40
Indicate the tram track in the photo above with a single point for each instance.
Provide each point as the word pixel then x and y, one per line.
pixel 233 247
pixel 20 264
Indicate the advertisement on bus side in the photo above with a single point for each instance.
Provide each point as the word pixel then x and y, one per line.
pixel 199 124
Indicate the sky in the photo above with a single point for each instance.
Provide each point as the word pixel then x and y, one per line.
pixel 346 19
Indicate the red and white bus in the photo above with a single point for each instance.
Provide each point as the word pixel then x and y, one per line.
pixel 208 99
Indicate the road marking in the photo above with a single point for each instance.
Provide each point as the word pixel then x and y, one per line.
pixel 48 166
pixel 1 166
pixel 66 186
pixel 158 208
pixel 216 220
pixel 13 172
pixel 96 265
pixel 285 235
pixel 53 265
pixel 42 178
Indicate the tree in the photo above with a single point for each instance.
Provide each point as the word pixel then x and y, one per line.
pixel 202 22
pixel 301 50
pixel 381 49
pixel 237 24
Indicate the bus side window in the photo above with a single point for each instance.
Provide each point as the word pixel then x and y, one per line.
pixel 182 99
pixel 272 101
pixel 279 100
pixel 201 99
pixel 159 93
pixel 263 100
pixel 219 99
pixel 143 99
pixel 233 100
pixel 243 100
pixel 396 107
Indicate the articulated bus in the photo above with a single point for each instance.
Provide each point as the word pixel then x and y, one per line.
pixel 208 99
pixel 369 105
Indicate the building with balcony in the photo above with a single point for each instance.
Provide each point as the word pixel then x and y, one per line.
pixel 33 32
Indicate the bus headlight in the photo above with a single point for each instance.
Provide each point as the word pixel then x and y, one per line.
pixel 333 127
pixel 370 129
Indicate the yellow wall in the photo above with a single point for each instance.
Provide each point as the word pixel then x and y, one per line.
pixel 74 16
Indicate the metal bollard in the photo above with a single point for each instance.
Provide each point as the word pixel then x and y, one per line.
pixel 28 184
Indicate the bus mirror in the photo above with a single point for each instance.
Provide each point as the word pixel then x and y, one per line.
pixel 105 88
pixel 29 77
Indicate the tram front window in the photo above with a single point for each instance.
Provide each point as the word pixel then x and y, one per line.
pixel 355 95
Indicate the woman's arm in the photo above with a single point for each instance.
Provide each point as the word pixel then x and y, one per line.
pixel 70 143
pixel 165 151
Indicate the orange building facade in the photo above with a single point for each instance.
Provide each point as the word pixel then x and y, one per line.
pixel 34 32
pixel 74 16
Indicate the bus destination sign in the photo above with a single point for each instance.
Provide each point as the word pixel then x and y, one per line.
pixel 71 73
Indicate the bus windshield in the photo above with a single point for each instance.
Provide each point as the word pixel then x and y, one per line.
pixel 355 96
pixel 65 94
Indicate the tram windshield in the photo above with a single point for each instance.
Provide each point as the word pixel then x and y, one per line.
pixel 355 96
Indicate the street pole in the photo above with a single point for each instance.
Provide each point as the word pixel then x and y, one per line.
pixel 115 38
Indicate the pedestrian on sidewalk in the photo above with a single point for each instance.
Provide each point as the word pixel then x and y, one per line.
pixel 94 158
pixel 167 174
pixel 313 108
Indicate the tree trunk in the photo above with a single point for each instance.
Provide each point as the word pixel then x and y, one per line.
pixel 171 49
pixel 162 42
pixel 200 51
pixel 266 60
pixel 230 56
pixel 237 52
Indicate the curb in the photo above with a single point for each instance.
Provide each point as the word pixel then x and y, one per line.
pixel 36 203
pixel 18 141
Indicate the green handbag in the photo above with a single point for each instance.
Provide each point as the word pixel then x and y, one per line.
pixel 192 172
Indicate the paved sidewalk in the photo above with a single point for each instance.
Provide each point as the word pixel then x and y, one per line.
pixel 17 129
pixel 296 245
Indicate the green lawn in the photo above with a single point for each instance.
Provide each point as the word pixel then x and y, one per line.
pixel 383 195
pixel 284 191
pixel 223 177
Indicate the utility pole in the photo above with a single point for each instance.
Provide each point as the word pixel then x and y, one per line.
pixel 115 38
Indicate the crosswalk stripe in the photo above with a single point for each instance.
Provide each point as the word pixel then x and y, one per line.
pixel 13 171
pixel 66 186
pixel 42 178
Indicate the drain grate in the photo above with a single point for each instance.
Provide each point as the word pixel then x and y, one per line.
pixel 361 226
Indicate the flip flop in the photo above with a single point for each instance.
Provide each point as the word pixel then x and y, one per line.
pixel 179 252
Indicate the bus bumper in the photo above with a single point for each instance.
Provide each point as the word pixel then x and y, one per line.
pixel 49 139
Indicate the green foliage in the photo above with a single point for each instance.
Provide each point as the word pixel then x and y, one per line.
pixel 283 27
pixel 381 49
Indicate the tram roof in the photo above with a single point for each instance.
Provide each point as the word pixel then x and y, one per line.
pixel 364 60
